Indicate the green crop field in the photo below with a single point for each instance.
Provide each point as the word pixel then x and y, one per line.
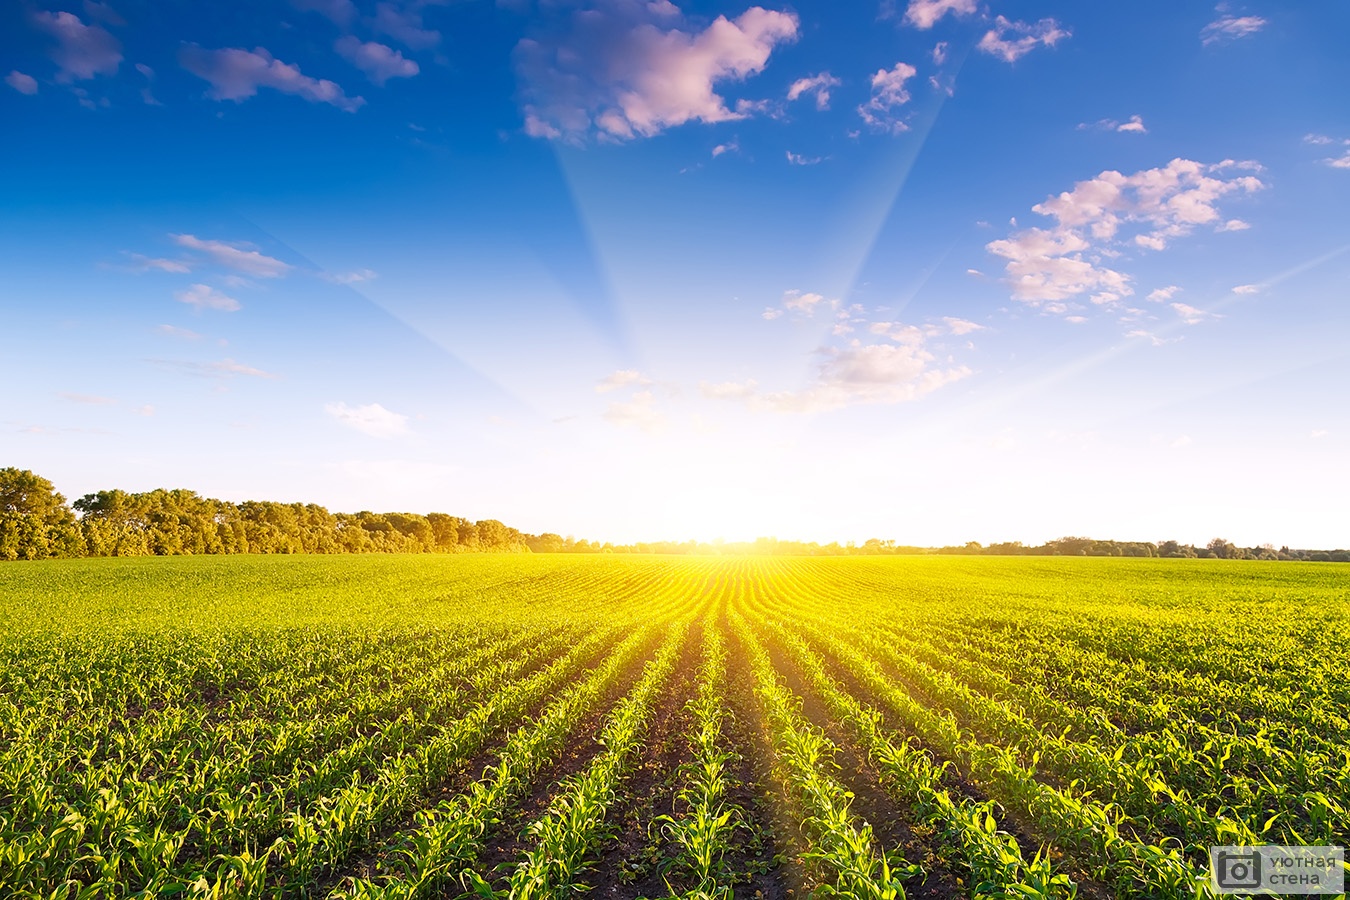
pixel 757 727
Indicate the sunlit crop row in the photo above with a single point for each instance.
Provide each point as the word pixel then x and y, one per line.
pixel 416 728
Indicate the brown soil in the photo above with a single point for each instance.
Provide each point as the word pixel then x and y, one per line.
pixel 894 826
pixel 507 843
pixel 631 862
pixel 578 749
pixel 955 782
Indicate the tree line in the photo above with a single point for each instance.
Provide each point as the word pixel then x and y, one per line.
pixel 36 522
pixel 1219 548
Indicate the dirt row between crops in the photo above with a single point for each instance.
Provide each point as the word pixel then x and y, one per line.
pixel 1025 833
pixel 576 751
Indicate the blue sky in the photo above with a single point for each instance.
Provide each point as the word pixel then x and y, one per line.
pixel 937 270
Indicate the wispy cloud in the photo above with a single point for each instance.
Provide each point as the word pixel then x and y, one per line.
pixel 402 21
pixel 159 264
pixel 237 74
pixel 731 146
pixel 1010 41
pixel 378 61
pixel 891 363
pixel 225 368
pixel 24 84
pixel 622 70
pixel 1228 27
pixel 817 85
pixel 621 378
pixel 797 159
pixel 354 277
pixel 242 257
pixel 1336 162
pixel 203 296
pixel 639 411
pixel 802 302
pixel 1191 315
pixel 371 419
pixel 856 374
pixel 888 95
pixel 82 51
pixel 174 331
pixel 1134 125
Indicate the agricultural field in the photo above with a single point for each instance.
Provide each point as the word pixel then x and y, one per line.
pixel 703 727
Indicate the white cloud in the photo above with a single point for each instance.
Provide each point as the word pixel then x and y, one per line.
pixel 354 277
pixel 1163 293
pixel 1099 125
pixel 898 368
pixel 796 159
pixel 1342 162
pixel 731 146
pixel 1234 225
pixel 149 264
pixel 1318 433
pixel 625 69
pixel 203 296
pixel 372 419
pixel 403 23
pixel 888 93
pixel 1135 126
pixel 82 51
pixel 804 303
pixel 639 412
pixel 961 326
pixel 236 74
pixel 175 332
pixel 621 378
pixel 24 84
pixel 939 53
pixel 1317 139
pixel 1248 289
pixel 1075 320
pixel 819 85
pixel 379 62
pixel 1183 441
pixel 1010 41
pixel 924 14
pixel 1190 315
pixel 862 374
pixel 1064 262
pixel 1152 338
pixel 235 256
pixel 770 313
pixel 1230 28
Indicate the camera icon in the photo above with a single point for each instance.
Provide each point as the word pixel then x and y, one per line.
pixel 1238 870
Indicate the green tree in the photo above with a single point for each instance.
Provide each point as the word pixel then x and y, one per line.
pixel 35 522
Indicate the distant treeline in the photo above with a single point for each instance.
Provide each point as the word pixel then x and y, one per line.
pixel 1081 546
pixel 36 522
